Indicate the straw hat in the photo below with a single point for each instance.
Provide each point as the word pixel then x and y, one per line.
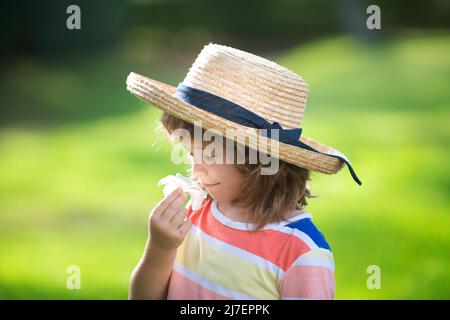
pixel 227 88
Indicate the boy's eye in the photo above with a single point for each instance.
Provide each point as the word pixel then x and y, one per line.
pixel 206 156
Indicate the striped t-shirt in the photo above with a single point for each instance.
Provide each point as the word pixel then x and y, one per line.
pixel 224 259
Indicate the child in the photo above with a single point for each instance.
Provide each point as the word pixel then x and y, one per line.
pixel 251 238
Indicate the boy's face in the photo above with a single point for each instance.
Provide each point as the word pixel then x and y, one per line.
pixel 222 180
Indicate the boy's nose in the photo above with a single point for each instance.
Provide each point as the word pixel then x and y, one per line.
pixel 199 169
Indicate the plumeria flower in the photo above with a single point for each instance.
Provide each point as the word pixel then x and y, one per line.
pixel 193 188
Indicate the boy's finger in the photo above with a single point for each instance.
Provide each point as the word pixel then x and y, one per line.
pixel 173 208
pixel 185 227
pixel 167 201
pixel 179 217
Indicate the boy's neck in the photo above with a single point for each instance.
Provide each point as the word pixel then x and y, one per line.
pixel 237 214
pixel 231 212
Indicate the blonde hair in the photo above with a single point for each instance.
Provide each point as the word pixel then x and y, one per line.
pixel 265 198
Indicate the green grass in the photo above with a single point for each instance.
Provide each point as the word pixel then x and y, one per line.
pixel 78 191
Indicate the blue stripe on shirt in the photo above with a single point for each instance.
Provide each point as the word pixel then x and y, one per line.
pixel 307 226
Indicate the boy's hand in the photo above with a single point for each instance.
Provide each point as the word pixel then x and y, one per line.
pixel 166 224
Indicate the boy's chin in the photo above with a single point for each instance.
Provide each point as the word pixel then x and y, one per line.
pixel 217 197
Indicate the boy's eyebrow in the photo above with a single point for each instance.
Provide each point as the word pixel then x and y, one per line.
pixel 201 149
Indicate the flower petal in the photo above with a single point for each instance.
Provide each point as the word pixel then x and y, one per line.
pixel 192 188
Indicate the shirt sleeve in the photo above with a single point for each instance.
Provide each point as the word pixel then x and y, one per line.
pixel 311 276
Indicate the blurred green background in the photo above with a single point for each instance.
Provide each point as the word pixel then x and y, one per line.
pixel 80 157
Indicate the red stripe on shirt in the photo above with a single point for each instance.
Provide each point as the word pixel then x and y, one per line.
pixel 276 243
pixel 182 288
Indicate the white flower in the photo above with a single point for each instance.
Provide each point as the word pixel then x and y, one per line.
pixel 193 188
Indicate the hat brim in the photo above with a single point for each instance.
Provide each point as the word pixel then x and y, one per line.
pixel 163 96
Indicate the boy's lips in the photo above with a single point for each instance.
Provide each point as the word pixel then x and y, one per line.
pixel 206 185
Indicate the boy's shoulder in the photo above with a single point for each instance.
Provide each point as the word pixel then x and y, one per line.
pixel 306 230
pixel 309 245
